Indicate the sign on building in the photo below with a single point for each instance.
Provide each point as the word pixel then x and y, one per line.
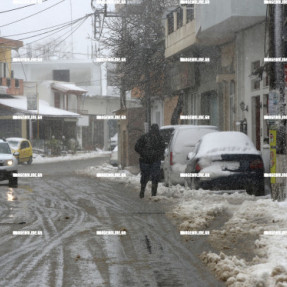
pixel 83 121
pixel 273 103
pixel 32 103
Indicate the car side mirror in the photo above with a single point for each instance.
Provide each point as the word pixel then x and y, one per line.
pixel 16 153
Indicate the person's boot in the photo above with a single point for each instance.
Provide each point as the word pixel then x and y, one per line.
pixel 142 191
pixel 154 189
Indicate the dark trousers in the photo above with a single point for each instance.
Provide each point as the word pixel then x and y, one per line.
pixel 149 171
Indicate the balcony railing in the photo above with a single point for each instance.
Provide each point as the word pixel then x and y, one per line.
pixel 180 30
pixel 15 86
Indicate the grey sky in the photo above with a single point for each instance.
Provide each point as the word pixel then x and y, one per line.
pixel 56 15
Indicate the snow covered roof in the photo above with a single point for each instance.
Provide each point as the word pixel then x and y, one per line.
pixel 218 143
pixel 68 88
pixel 15 139
pixel 187 126
pixel 20 103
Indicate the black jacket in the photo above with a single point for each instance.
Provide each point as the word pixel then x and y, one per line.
pixel 151 147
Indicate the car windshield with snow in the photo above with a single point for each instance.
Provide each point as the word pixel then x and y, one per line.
pixel 226 160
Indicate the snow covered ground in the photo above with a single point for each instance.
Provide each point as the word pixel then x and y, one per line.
pixel 41 159
pixel 256 224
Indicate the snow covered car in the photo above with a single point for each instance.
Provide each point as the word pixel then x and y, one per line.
pixel 23 147
pixel 8 164
pixel 182 142
pixel 226 160
pixel 113 141
pixel 114 157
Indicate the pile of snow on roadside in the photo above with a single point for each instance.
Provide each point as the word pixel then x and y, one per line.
pixel 269 267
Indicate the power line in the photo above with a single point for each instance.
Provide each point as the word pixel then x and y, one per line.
pixel 64 26
pixel 27 53
pixel 69 22
pixel 6 11
pixel 56 29
pixel 57 44
pixel 31 15
pixel 55 33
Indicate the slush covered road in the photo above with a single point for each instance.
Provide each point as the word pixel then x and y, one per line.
pixel 66 210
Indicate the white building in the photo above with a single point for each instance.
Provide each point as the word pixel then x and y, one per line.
pixel 79 86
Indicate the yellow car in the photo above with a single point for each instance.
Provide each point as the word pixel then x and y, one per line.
pixel 23 147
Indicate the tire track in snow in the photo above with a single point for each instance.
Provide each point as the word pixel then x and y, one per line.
pixel 30 262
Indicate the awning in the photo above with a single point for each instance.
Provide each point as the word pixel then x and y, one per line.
pixel 19 103
pixel 68 88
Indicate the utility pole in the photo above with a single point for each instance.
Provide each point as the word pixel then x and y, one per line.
pixel 147 89
pixel 277 84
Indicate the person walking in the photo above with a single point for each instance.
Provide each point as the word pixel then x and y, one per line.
pixel 150 147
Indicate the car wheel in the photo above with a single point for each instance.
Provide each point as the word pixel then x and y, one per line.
pixel 13 181
pixel 30 160
pixel 195 183
pixel 257 190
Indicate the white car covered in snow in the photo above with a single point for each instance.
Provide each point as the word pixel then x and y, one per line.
pixel 8 164
pixel 226 160
pixel 182 142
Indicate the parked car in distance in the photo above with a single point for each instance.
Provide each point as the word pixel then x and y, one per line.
pixel 23 147
pixel 182 142
pixel 230 159
pixel 114 157
pixel 113 141
pixel 8 164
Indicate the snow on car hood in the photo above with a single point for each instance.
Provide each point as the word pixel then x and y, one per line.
pixel 5 156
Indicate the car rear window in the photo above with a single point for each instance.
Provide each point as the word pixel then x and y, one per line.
pixel 166 134
pixel 189 137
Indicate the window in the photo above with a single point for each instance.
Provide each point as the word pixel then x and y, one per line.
pixel 61 75
pixel 23 145
pixel 170 23
pixel 265 80
pixel 254 66
pixel 255 84
pixel 189 13
pixel 157 117
pixel 179 12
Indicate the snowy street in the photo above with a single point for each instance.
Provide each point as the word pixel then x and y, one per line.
pixel 50 234
pixel 247 234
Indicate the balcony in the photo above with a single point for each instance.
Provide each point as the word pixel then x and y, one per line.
pixel 208 25
pixel 220 20
pixel 180 30
pixel 14 86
